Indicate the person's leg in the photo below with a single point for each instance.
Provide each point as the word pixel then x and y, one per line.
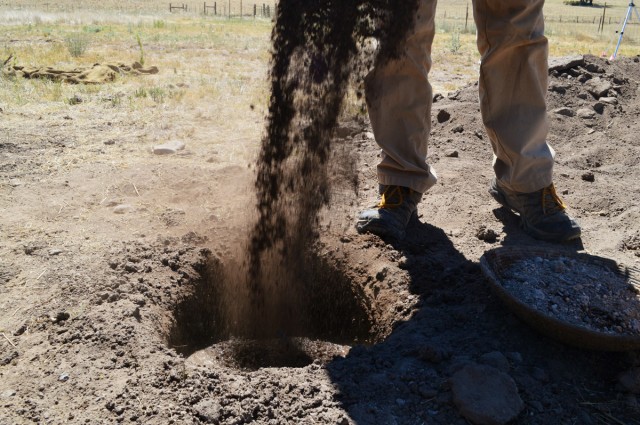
pixel 513 87
pixel 399 100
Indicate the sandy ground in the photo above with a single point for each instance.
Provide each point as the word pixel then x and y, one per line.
pixel 109 256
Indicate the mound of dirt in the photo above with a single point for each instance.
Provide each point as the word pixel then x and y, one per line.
pixel 117 319
pixel 95 74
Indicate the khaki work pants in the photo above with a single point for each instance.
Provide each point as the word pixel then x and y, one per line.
pixel 513 86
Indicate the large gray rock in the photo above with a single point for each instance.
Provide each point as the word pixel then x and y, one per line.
pixel 598 87
pixel 566 62
pixel 485 396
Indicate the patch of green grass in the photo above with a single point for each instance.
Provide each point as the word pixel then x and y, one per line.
pixel 77 44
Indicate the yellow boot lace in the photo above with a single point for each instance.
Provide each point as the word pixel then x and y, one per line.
pixel 551 200
pixel 389 192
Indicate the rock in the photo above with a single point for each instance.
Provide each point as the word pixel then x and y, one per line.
pixel 567 112
pixel 486 396
pixel 209 411
pixel 109 142
pixel 169 147
pixel 497 360
pixel 8 393
pixel 457 129
pixel 443 116
pixel 8 357
pixel 630 380
pixel 55 251
pixel 598 87
pixel 565 63
pixel 514 356
pixel 588 176
pixel 131 267
pixel 586 113
pixel 486 234
pixel 345 130
pixel 451 153
pixel 558 88
pixel 592 67
pixel 64 377
pixel 15 182
pixel 609 100
pixel 122 209
pixel 598 107
pixel 369 135
pixel 61 317
pixel 540 374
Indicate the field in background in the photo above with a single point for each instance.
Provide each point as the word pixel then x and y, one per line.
pixel 210 60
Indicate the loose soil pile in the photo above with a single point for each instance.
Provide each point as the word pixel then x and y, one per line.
pixel 109 314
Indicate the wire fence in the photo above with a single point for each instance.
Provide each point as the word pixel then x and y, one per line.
pixel 221 8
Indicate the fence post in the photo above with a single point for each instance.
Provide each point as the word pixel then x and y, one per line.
pixel 255 10
pixel 466 18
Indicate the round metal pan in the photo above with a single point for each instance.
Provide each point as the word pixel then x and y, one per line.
pixel 496 261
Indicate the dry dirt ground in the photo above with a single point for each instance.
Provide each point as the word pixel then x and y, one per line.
pixel 108 275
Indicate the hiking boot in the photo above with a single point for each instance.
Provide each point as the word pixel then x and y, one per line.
pixel 392 214
pixel 542 213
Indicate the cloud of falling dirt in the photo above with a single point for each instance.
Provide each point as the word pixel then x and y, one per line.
pixel 315 56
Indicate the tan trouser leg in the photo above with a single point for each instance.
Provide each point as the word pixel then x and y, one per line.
pixel 513 86
pixel 399 101
pixel 513 83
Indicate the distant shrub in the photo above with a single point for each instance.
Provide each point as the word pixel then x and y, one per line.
pixel 159 24
pixel 77 44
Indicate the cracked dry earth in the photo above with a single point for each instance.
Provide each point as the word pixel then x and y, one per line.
pixel 109 268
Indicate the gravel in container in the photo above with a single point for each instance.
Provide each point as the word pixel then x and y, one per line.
pixel 583 294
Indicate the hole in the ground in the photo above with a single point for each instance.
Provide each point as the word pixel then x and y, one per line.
pixel 329 312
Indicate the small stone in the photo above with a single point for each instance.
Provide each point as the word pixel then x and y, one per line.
pixel 540 374
pixel 122 209
pixel 15 182
pixel 486 234
pixel 8 393
pixel 443 116
pixel 514 356
pixel 109 142
pixel 497 360
pixel 451 153
pixel 169 147
pixel 131 267
pixel 598 87
pixel 598 107
pixel 64 377
pixel 486 396
pixel 55 251
pixel 609 100
pixel 427 391
pixel 592 67
pixel 61 317
pixel 564 111
pixel 630 380
pixel 369 135
pixel 586 113
pixel 557 88
pixel 588 176
pixel 457 129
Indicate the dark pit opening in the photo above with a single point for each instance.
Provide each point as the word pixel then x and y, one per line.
pixel 330 312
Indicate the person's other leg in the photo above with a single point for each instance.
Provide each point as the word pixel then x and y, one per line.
pixel 513 87
pixel 399 101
